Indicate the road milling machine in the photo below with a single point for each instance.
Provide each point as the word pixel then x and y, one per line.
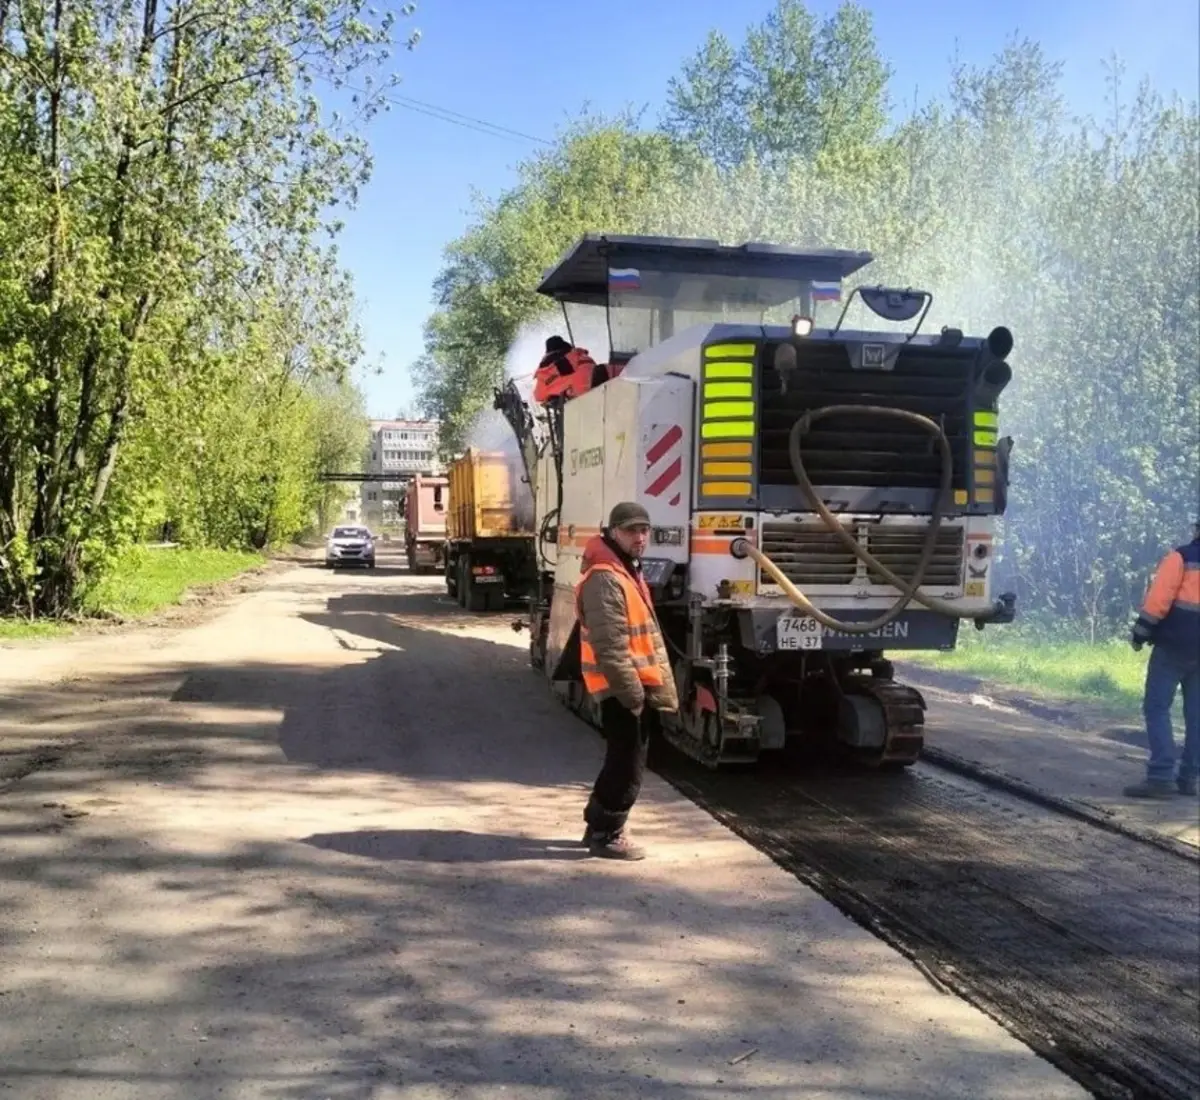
pixel 818 495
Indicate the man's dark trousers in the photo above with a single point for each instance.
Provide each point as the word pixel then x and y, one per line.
pixel 1172 668
pixel 620 779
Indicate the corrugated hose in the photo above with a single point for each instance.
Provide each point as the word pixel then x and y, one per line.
pixel 908 589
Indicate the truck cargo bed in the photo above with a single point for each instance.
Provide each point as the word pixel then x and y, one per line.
pixel 488 499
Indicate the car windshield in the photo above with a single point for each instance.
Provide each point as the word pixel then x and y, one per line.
pixel 350 533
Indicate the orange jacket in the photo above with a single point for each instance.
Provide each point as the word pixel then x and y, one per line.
pixel 1170 613
pixel 563 374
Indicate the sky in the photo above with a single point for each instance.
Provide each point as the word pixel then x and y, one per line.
pixel 533 65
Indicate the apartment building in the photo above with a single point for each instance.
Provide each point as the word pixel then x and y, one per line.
pixel 400 447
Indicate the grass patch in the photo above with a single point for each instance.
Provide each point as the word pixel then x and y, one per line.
pixel 21 629
pixel 1106 672
pixel 143 581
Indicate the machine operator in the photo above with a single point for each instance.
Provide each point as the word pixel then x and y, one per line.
pixel 566 372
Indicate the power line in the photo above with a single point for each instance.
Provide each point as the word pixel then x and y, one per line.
pixel 454 117
pixel 444 114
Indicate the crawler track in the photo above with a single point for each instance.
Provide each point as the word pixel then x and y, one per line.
pixel 1083 942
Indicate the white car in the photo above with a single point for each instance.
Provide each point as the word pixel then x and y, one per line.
pixel 350 546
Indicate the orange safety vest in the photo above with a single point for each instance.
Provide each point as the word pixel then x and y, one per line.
pixel 563 374
pixel 641 633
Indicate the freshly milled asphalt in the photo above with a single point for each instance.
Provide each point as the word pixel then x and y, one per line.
pixel 326 846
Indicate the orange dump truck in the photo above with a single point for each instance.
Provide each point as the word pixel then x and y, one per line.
pixel 425 502
pixel 489 554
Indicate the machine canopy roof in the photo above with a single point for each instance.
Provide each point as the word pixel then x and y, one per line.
pixel 691 272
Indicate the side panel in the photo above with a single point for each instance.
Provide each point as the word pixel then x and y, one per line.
pixel 584 460
pixel 619 445
pixel 457 522
pixel 493 497
pixel 630 439
pixel 425 507
pixel 582 507
pixel 487 499
pixel 666 458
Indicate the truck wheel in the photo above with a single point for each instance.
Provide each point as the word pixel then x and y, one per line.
pixel 464 581
pixel 451 572
pixel 495 599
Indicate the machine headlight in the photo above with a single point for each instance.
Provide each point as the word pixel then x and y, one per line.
pixel 802 326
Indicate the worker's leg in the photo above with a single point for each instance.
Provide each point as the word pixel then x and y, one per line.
pixel 1189 759
pixel 620 779
pixel 1163 674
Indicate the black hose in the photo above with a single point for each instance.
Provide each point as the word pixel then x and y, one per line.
pixel 908 588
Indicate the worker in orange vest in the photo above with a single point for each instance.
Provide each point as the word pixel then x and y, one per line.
pixel 564 371
pixel 625 669
pixel 1170 622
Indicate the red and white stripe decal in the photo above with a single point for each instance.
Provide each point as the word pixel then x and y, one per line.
pixel 664 463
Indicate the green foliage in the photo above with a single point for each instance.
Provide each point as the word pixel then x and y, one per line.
pixel 597 180
pixel 1083 237
pixel 794 90
pixel 168 315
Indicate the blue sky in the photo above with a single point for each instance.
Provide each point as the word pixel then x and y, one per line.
pixel 531 65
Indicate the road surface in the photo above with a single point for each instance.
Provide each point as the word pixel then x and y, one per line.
pixel 325 845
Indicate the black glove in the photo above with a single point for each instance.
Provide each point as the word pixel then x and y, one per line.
pixel 1137 643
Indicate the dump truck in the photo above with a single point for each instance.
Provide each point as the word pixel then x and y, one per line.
pixel 425 500
pixel 819 495
pixel 489 550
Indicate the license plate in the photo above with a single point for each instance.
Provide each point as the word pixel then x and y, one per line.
pixel 488 578
pixel 798 632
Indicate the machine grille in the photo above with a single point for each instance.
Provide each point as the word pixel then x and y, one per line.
pixel 809 554
pixel 866 451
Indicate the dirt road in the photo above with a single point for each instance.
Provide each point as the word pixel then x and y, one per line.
pixel 326 846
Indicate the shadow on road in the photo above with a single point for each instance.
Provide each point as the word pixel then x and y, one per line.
pixel 446 846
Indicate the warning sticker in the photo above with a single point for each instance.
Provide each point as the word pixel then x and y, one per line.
pixel 715 522
pixel 975 589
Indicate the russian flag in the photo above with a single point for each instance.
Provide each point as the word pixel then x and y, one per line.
pixel 826 292
pixel 624 278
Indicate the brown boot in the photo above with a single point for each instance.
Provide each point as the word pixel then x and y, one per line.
pixel 615 846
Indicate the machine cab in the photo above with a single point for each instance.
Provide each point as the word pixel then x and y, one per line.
pixel 630 294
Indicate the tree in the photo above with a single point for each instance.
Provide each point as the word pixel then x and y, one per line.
pixel 794 89
pixel 341 438
pixel 598 179
pixel 157 161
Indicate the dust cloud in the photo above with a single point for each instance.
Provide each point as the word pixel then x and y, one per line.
pixel 491 432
